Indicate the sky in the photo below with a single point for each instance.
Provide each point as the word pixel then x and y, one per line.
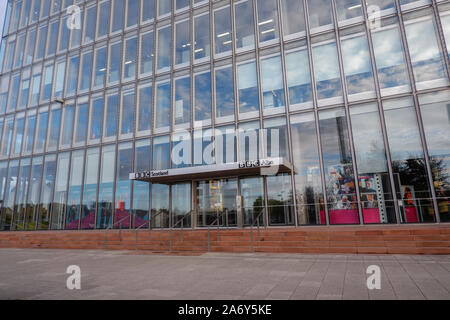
pixel 2 13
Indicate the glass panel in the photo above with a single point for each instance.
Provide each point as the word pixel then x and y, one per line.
pixel 279 200
pixel 41 131
pixel 35 89
pixel 276 138
pixel 53 131
pixel 408 163
pixel 248 87
pixel 117 15
pixel 40 46
pixel 267 20
pixel 298 77
pixel 47 83
pixel 30 47
pixel 202 103
pixel 59 79
pixel 164 7
pixel 105 194
pixel 436 121
pixel 164 48
pixel 181 205
pixel 74 195
pixel 52 37
pixel 29 134
pixel 15 84
pixel 144 120
pixel 224 92
pixel 293 16
pixel 127 114
pixel 123 186
pixel 160 200
pixel 130 58
pixel 10 191
pixel 75 34
pixel 309 195
pixel 427 64
pixel 89 27
pixel 115 52
pixel 272 83
pixel 203 147
pixel 72 75
pixel 338 167
pixel 183 43
pixel 348 9
pixel 182 108
pixel 382 4
pixel 252 193
pixel 19 50
pixel 162 111
pixel 201 34
pixel 33 194
pixel 222 30
pixel 326 71
pixel 103 18
pixel 148 9
pixel 146 53
pixel 100 67
pixel 373 176
pixel 64 34
pixel 21 194
pixel 7 137
pixel 59 198
pixel 249 146
pixel 89 202
pixel 81 123
pixel 67 131
pixel 357 65
pixel 141 189
pixel 95 130
pixel 244 20
pixel 181 150
pixel 180 4
pixel 132 12
pixel 445 22
pixel 86 68
pixel 48 179
pixel 110 123
pixel 320 13
pixel 161 153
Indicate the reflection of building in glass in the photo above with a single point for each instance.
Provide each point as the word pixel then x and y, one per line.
pixel 362 114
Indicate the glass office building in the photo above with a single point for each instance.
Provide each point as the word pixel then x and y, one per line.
pixel 354 93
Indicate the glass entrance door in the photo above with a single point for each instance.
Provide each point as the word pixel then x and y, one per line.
pixel 217 199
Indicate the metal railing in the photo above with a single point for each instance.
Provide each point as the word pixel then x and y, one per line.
pixel 251 228
pixel 182 227
pixel 217 220
pixel 112 226
pixel 149 226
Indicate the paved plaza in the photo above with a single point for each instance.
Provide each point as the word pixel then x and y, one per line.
pixel 41 274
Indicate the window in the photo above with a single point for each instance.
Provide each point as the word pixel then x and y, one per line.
pixel 373 177
pixel 18 134
pixel 127 114
pixel 249 141
pixel 114 62
pixel 182 43
pixel 24 90
pixel 181 4
pixel 15 16
pixel 130 58
pixel 357 66
pixel 326 71
pixel 386 6
pixel 64 34
pixel 244 20
pixel 293 17
pixel 267 20
pixel 75 34
pixel 74 193
pixel 181 150
pixel 110 123
pixel 276 138
pixel 182 105
pixel 53 128
pixel 123 186
pixel 202 101
pixel 348 9
pixel 202 147
pixel 86 69
pixel 435 110
pixel 164 49
pixel 31 38
pixel 35 87
pixel 46 191
pixel 338 167
pixel 247 88
pixel 45 9
pixel 22 188
pixel 9 57
pixel 81 123
pixel 89 202
pixel 89 27
pixel 100 67
pixel 35 11
pixel 41 131
pixel 59 79
pixel 162 110
pixel 19 50
pixel 29 133
pixel 10 191
pixel 164 7
pixel 279 197
pixel 201 35
pixel 161 153
pixel 33 194
pixel 224 92
pixel 25 13
pixel 427 64
pixel 388 49
pixel 14 94
pixel 52 37
pixel 408 163
pixel 7 137
pixel 225 144
pixel 117 15
pixel 146 53
pixel 132 12
pixel 4 86
pixel 272 83
pixel 59 199
pixel 148 10
pixel 67 126
pixel 298 79
pixel 144 120
pixel 103 18
pixel 141 190
pixel 320 14
pixel 72 75
pixel 105 193
pixel 160 203
pixel 47 83
pixel 222 31
pixel 445 21
pixel 95 125
pixel 308 181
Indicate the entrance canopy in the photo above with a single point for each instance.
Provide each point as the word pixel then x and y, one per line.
pixel 269 166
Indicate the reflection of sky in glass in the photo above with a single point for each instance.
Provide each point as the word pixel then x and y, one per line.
pixel 244 24
pixel 164 47
pixel 293 17
pixel 325 59
pixel 203 96
pixel 436 122
pixel 201 44
pixel 446 28
pixel 355 53
pixel 162 112
pixel 319 13
pixel 388 48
